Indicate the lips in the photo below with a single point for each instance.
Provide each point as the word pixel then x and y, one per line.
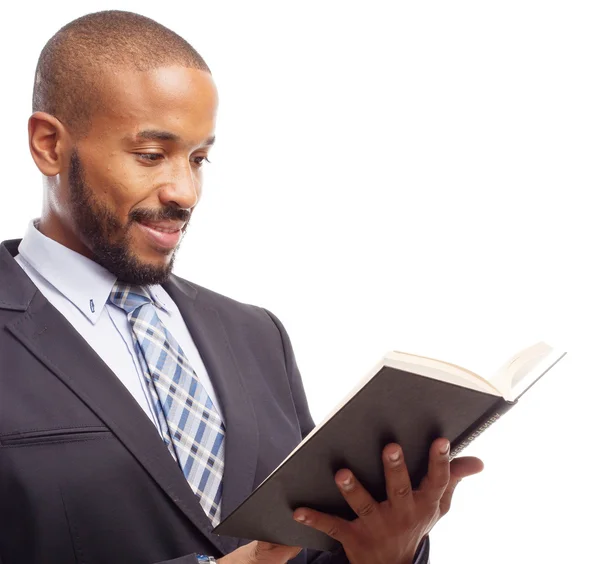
pixel 163 234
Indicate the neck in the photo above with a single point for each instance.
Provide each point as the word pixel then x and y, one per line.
pixel 52 227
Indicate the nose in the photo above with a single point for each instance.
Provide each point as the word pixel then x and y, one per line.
pixel 184 188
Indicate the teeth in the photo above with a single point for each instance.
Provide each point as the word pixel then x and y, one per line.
pixel 164 230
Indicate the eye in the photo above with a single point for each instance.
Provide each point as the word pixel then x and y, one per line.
pixel 152 157
pixel 199 160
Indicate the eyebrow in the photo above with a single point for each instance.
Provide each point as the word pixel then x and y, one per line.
pixel 159 135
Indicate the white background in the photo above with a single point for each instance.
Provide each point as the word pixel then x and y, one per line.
pixel 421 176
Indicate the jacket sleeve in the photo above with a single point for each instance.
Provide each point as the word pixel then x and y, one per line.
pixel 306 426
pixel 339 557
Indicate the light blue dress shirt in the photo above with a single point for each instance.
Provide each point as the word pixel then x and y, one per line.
pixel 79 289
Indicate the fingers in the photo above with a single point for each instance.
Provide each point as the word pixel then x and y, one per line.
pixel 465 466
pixel 459 468
pixel 359 499
pixel 260 552
pixel 397 479
pixel 269 552
pixel 434 485
pixel 436 490
pixel 335 527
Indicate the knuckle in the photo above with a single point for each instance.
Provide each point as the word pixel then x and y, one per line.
pixel 401 491
pixel 366 509
pixel 333 531
pixel 255 552
pixel 261 547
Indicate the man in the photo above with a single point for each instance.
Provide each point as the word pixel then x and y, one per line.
pixel 137 408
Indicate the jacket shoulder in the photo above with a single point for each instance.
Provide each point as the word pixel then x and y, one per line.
pixel 226 306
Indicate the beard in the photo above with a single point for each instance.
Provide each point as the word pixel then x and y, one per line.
pixel 109 241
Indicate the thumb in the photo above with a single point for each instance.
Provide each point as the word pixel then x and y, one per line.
pixel 270 553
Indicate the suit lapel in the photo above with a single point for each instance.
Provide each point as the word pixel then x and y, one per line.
pixel 55 342
pixel 241 429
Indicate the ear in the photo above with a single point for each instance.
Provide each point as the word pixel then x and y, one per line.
pixel 49 143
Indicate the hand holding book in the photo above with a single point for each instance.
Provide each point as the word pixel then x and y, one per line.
pixel 392 530
pixel 406 399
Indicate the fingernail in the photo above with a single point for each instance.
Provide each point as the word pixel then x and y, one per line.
pixel 395 456
pixel 445 448
pixel 301 518
pixel 347 483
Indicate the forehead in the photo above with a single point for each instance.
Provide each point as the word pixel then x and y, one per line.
pixel 177 99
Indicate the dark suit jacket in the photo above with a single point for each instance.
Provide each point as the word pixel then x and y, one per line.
pixel 85 477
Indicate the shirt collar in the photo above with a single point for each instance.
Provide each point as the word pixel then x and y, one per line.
pixel 85 283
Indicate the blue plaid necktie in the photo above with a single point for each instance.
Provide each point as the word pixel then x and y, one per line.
pixel 190 425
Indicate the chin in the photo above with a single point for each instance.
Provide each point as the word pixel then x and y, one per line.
pixel 137 268
pixel 155 259
pixel 145 274
pixel 158 262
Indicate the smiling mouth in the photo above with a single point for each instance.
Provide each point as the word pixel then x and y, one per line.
pixel 165 235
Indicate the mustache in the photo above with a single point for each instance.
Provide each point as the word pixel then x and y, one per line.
pixel 165 214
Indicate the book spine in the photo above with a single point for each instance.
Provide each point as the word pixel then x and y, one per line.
pixel 483 423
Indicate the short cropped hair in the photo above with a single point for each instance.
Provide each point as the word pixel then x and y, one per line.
pixel 78 56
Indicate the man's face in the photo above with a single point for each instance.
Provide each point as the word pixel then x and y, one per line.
pixel 135 178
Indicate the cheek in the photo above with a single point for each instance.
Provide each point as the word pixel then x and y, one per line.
pixel 120 188
pixel 117 181
pixel 132 185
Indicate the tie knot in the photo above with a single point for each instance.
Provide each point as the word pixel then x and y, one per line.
pixel 129 296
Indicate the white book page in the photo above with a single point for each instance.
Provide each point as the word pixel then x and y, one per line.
pixel 530 374
pixel 483 358
pixel 439 370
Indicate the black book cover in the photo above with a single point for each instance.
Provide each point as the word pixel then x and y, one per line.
pixel 394 406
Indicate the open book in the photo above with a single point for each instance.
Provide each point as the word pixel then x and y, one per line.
pixel 405 398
